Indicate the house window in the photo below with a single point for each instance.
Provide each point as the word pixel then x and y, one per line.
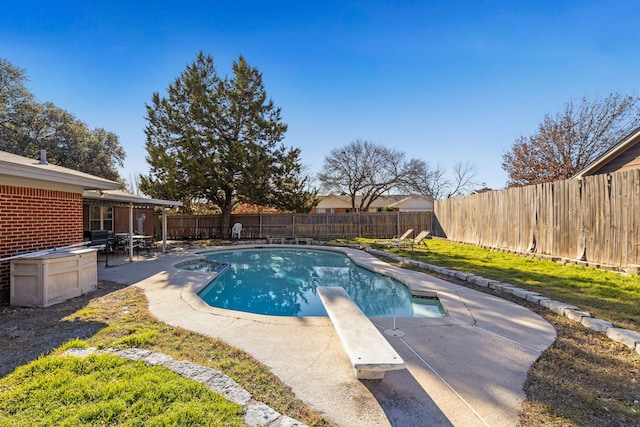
pixel 101 218
pixel 324 210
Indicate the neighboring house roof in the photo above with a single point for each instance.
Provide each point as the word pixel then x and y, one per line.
pixel 623 155
pixel 334 201
pixel 481 190
pixel 343 201
pixel 252 209
pixel 23 167
pixel 412 202
pixel 124 197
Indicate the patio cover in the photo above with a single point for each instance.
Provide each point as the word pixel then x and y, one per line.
pixel 122 197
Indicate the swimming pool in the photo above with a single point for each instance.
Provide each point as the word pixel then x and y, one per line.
pixel 203 265
pixel 283 281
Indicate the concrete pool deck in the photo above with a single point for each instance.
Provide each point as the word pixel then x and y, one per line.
pixel 466 369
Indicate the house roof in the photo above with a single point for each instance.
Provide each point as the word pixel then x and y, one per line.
pixel 409 199
pixel 620 147
pixel 23 167
pixel 380 202
pixel 125 197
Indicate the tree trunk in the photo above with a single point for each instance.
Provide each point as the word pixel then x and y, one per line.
pixel 226 220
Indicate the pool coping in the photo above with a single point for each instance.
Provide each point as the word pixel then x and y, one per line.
pixel 196 281
pixel 414 289
pixel 466 369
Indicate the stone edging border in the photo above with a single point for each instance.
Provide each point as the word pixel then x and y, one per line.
pixel 629 338
pixel 255 413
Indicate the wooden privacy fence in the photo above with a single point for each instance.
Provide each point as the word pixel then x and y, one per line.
pixel 595 219
pixel 320 226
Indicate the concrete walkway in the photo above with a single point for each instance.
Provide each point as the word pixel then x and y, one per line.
pixel 466 370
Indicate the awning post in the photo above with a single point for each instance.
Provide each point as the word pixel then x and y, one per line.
pixel 130 231
pixel 164 231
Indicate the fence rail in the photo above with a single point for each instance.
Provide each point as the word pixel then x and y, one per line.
pixel 320 226
pixel 595 219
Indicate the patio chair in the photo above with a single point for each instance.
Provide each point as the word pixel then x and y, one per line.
pixel 419 240
pixel 235 231
pixel 394 239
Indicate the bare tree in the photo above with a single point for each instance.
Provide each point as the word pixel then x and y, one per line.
pixel 369 170
pixel 434 182
pixel 463 179
pixel 567 142
pixel 132 184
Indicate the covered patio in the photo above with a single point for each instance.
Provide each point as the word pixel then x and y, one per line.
pixel 124 205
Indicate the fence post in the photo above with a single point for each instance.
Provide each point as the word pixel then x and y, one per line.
pixel 326 225
pixel 293 225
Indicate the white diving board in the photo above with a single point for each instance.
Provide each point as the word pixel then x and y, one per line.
pixel 369 352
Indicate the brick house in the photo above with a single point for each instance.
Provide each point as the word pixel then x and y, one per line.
pixel 40 208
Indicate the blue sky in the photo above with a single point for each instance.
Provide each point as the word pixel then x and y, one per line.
pixel 443 81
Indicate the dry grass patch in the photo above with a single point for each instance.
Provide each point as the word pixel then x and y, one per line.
pixel 583 379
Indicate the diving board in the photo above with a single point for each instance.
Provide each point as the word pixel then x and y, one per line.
pixel 369 352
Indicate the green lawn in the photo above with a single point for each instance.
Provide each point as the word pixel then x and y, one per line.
pixel 606 295
pixel 107 390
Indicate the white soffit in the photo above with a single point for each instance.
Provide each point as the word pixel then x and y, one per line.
pixel 23 167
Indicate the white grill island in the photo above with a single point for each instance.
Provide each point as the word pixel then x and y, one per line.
pixel 50 277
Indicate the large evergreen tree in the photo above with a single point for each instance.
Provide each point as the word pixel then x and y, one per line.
pixel 218 140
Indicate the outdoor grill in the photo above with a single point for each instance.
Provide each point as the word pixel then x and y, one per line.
pixel 99 239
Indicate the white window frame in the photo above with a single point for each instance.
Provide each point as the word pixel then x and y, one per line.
pixel 102 216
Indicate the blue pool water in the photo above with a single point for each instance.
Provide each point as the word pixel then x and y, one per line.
pixel 203 265
pixel 283 281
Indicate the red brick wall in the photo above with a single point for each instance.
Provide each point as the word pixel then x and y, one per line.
pixel 33 219
pixel 121 220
